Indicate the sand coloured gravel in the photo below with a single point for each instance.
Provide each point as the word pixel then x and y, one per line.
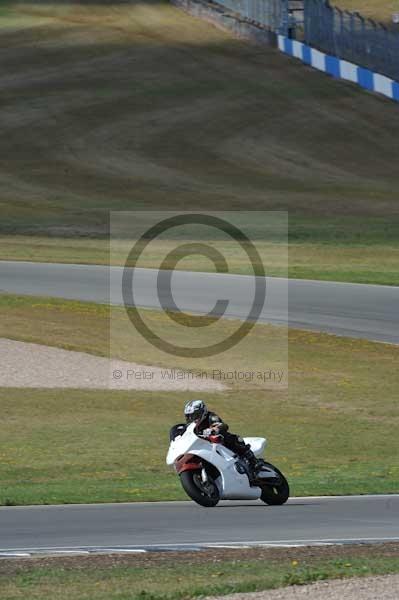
pixel 27 365
pixel 360 588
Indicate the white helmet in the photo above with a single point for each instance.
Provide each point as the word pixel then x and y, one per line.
pixel 195 410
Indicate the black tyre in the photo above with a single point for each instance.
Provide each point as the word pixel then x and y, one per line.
pixel 276 494
pixel 205 494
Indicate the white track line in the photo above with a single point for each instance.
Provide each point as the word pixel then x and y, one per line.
pixel 194 545
pixel 188 502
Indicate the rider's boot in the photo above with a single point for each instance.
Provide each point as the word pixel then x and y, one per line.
pixel 251 459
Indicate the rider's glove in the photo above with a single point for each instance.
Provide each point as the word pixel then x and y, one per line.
pixel 207 432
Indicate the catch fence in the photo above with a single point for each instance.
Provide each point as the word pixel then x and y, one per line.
pixel 272 14
pixel 350 36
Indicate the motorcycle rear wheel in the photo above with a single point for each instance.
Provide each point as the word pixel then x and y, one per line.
pixel 203 494
pixel 275 495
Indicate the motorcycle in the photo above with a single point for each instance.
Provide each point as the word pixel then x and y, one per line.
pixel 210 472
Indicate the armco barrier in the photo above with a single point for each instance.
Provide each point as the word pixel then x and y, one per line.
pixel 339 68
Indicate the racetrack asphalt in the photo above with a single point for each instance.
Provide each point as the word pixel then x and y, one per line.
pixel 182 525
pixel 353 310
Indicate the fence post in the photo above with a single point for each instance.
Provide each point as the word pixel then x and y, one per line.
pixel 352 36
pixel 306 19
pixel 339 30
pixel 363 36
pixel 283 20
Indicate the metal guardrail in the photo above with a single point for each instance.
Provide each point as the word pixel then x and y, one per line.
pixel 351 37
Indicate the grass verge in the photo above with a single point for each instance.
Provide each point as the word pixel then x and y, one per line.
pixel 332 432
pixel 184 576
pixel 351 257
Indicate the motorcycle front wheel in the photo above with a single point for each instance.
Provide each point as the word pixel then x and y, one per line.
pixel 276 494
pixel 205 494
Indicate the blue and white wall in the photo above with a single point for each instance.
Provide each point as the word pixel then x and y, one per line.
pixel 340 68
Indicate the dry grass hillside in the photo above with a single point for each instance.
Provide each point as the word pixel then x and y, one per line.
pixel 138 105
pixel 381 10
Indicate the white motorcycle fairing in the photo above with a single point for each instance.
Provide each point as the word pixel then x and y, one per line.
pixel 232 484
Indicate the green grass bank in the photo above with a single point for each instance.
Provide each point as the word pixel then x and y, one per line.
pixel 332 432
pixel 184 576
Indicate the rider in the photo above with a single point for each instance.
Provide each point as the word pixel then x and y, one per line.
pixel 197 411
